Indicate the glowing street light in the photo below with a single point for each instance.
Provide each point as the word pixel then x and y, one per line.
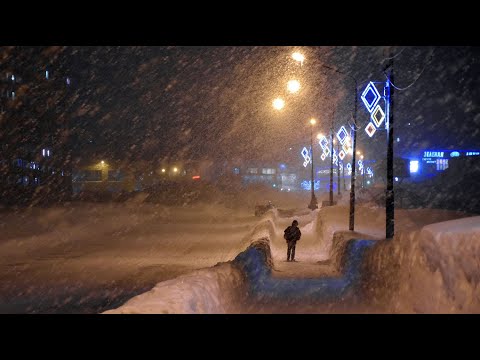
pixel 293 86
pixel 163 170
pixel 175 169
pixel 298 57
pixel 278 103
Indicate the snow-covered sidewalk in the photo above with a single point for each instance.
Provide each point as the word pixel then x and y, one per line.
pixel 326 276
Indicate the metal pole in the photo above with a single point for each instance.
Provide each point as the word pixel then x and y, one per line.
pixel 353 178
pixel 389 198
pixel 338 167
pixel 331 165
pixel 313 201
pixel 343 176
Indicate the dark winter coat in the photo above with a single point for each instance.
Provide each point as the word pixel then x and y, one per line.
pixel 292 233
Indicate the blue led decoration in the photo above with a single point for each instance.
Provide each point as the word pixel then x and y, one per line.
pixel 370 129
pixel 369 171
pixel 378 116
pixel 307 185
pixel 323 143
pixel 349 168
pixel 370 97
pixel 306 156
pixel 342 135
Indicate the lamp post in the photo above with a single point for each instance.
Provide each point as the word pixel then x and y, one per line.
pixel 331 163
pixel 363 173
pixel 313 201
pixel 389 198
pixel 355 128
pixel 338 168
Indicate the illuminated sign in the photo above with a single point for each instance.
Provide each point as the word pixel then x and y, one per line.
pixel 370 129
pixel 413 166
pixel 430 154
pixel 472 153
pixel 307 185
pixel 370 97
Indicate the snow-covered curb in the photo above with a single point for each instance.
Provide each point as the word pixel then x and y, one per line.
pixel 215 290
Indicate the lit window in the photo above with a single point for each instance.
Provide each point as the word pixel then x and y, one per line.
pixel 48 152
pixel 43 152
pixel 46 74
pixel 252 170
pixel 413 166
pixel 13 77
pixel 68 81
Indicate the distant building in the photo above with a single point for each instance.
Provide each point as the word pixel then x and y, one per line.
pixel 34 97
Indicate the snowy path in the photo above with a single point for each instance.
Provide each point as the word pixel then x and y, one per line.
pixel 311 260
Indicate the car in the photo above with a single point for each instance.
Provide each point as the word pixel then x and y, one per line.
pixel 262 209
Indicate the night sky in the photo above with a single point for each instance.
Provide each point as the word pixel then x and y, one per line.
pixel 174 102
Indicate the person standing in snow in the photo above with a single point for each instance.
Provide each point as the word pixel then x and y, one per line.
pixel 291 235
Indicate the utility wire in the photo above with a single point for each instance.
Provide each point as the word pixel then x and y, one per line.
pixel 418 77
pixel 394 56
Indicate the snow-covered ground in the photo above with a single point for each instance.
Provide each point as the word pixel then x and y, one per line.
pixel 91 257
pixel 396 281
pixel 146 258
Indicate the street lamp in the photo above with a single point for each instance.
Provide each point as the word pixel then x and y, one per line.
pixel 293 86
pixel 278 103
pixel 313 201
pixel 355 128
pixel 338 168
pixel 363 172
pixel 298 57
pixel 331 162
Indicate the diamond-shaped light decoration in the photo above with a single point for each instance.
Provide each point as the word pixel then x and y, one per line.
pixel 323 156
pixel 370 129
pixel 370 97
pixel 345 148
pixel 306 156
pixel 378 116
pixel 324 143
pixel 341 154
pixel 342 135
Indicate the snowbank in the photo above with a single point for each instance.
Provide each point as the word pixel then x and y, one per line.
pixel 432 270
pixel 213 291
